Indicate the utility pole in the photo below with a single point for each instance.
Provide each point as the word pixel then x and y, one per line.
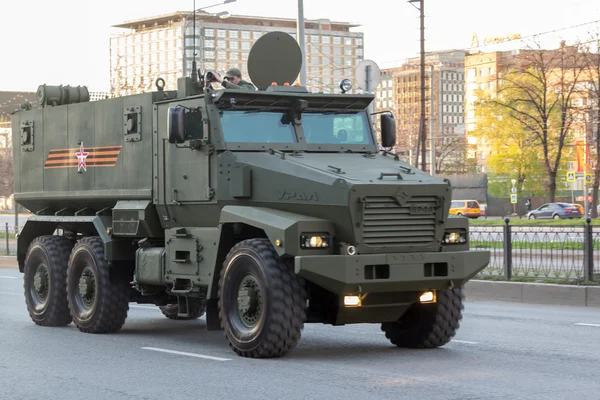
pixel 422 133
pixel 301 41
pixel 431 116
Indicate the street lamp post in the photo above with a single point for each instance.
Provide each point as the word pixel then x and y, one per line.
pixel 221 14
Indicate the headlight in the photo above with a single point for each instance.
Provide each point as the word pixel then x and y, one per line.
pixel 345 85
pixel 454 237
pixel 314 241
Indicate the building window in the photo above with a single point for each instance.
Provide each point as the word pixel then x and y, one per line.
pixel 315 60
pixel 221 33
pixel 348 51
pixel 359 52
pixel 210 32
pixel 209 43
pixel 245 45
pixel 314 39
pixel 233 45
pixel 221 44
pixel 326 39
pixel 209 54
pixel 359 41
pixel 348 41
pixel 234 56
pixel 337 40
pixel 245 34
pixel 233 34
pixel 337 50
pixel 221 55
pixel 471 73
pixel 256 35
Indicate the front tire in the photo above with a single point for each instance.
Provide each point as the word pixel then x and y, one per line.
pixel 197 309
pixel 428 325
pixel 45 280
pixel 261 301
pixel 98 301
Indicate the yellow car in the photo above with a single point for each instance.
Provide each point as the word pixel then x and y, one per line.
pixel 465 208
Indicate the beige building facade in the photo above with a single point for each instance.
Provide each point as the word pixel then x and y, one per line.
pixel 400 93
pixel 164 45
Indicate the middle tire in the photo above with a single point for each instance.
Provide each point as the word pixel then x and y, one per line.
pixel 261 301
pixel 98 301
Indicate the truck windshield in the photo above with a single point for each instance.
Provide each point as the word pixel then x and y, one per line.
pixel 257 127
pixel 276 127
pixel 333 128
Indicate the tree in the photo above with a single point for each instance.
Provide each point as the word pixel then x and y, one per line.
pixel 537 95
pixel 512 155
pixel 591 61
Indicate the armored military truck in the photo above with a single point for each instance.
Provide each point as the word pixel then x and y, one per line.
pixel 261 209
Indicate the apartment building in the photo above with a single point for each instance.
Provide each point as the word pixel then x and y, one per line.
pixel 400 92
pixel 164 46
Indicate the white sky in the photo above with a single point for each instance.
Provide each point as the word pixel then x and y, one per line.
pixel 66 41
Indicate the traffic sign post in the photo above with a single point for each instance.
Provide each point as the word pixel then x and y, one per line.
pixel 513 199
pixel 368 76
pixel 571 177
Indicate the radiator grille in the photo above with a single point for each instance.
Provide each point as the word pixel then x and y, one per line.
pixel 385 223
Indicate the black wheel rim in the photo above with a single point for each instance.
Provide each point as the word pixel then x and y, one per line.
pixel 245 296
pixel 85 294
pixel 40 286
pixel 249 301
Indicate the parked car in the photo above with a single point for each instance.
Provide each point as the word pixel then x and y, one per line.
pixel 556 211
pixel 579 208
pixel 465 208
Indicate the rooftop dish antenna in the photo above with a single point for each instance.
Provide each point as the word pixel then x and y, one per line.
pixel 274 58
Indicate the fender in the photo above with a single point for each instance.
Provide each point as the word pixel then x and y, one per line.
pixel 40 225
pixel 282 226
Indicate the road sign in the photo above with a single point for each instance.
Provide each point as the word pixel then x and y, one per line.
pixel 368 75
pixel 513 190
pixel 588 178
pixel 513 199
pixel 571 176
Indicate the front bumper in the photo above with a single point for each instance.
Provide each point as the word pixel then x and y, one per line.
pixel 344 274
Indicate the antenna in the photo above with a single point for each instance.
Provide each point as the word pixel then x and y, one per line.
pixel 194 68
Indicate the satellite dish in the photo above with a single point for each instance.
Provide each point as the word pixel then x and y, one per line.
pixel 274 57
pixel 373 75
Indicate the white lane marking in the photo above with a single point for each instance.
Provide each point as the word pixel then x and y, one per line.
pixel 464 341
pixel 182 353
pixel 582 324
pixel 9 277
pixel 146 307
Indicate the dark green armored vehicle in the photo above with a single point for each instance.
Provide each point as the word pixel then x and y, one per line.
pixel 262 210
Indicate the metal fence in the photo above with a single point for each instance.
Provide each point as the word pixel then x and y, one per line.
pixel 539 253
pixel 8 242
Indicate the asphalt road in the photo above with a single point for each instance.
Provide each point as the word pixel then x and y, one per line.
pixel 502 351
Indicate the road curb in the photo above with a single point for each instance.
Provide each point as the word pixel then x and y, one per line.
pixel 533 293
pixel 8 262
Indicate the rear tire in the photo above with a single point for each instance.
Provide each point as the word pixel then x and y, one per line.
pixel 197 309
pixel 428 325
pixel 98 301
pixel 45 280
pixel 261 301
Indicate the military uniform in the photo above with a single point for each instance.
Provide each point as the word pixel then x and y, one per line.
pixel 242 84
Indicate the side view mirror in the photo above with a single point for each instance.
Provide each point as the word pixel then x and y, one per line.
pixel 388 130
pixel 176 125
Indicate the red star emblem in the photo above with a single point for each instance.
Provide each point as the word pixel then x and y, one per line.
pixel 81 156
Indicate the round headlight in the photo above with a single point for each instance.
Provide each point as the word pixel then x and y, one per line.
pixel 346 85
pixel 316 241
